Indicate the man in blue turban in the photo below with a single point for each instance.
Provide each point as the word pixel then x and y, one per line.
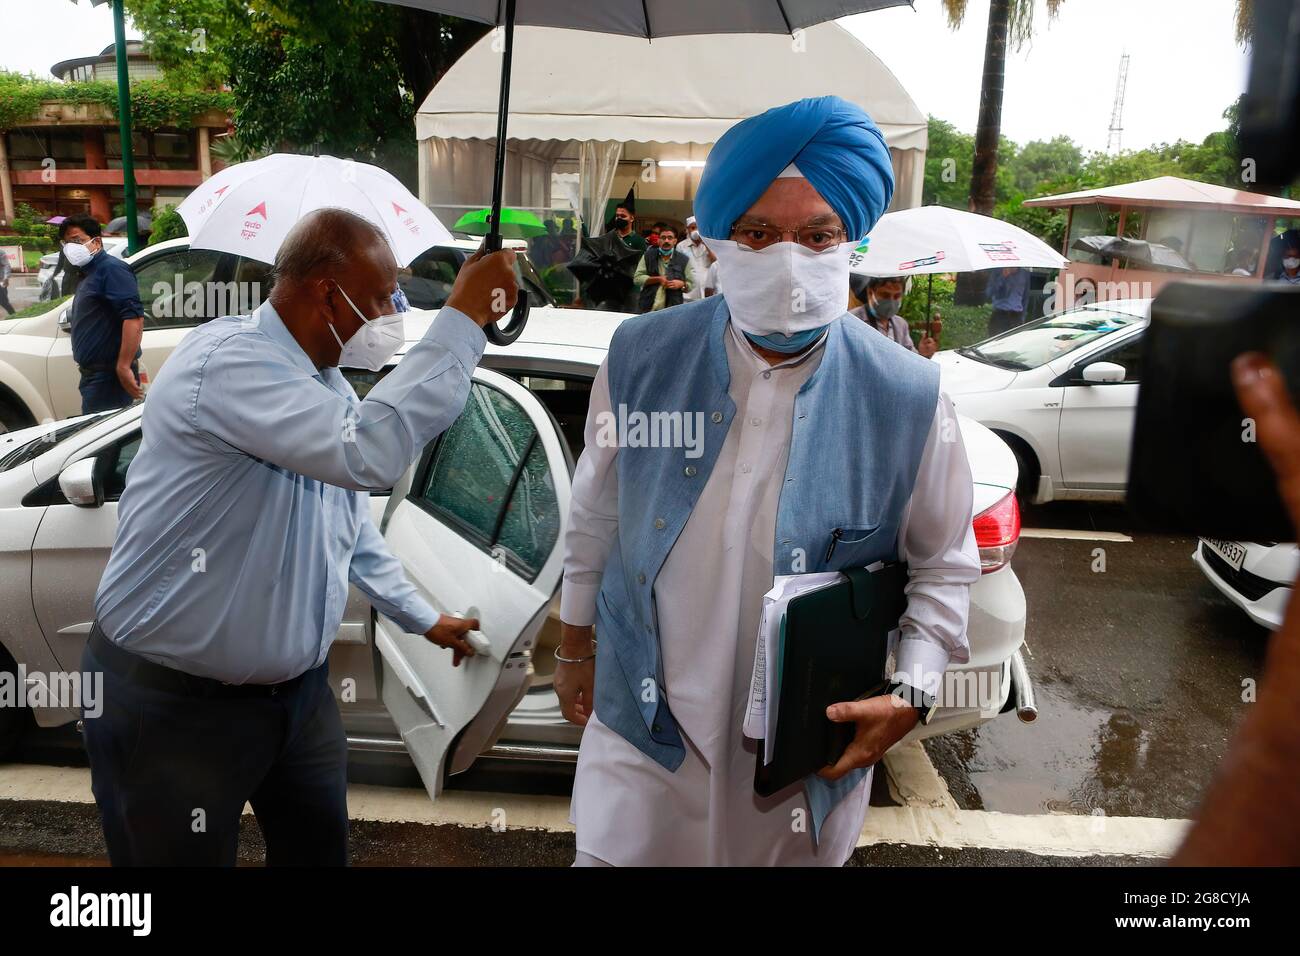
pixel 759 433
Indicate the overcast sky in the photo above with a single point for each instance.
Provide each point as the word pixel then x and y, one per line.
pixel 1185 68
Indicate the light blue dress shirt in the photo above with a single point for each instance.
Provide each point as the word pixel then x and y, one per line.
pixel 245 512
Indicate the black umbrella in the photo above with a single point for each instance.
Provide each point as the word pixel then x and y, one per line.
pixel 604 265
pixel 638 18
pixel 143 221
pixel 1135 250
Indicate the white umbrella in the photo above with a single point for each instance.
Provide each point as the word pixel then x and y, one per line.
pixel 247 209
pixel 932 239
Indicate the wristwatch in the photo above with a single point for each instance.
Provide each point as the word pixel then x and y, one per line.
pixel 925 704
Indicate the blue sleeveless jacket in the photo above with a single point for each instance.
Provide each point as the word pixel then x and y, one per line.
pixel 860 425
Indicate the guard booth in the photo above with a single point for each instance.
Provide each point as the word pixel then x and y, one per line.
pixel 1129 241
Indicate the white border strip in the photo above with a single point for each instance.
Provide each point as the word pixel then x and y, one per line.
pixel 1069 534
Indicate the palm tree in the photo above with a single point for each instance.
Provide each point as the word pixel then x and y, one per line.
pixel 1010 21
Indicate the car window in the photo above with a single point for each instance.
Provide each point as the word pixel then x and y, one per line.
pixel 179 289
pixel 363 380
pixel 252 284
pixel 115 461
pixel 532 520
pixel 489 479
pixel 431 277
pixel 1127 354
pixel 1037 343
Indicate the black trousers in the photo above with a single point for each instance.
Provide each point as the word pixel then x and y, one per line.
pixel 171 767
pixel 102 391
pixel 4 300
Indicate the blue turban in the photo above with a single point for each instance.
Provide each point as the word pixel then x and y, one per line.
pixel 835 145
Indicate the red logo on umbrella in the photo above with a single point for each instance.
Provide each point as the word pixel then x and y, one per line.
pixel 251 226
pixel 409 221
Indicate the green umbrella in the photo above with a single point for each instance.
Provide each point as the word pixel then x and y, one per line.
pixel 515 223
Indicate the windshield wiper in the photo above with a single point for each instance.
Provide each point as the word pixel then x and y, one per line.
pixel 1010 364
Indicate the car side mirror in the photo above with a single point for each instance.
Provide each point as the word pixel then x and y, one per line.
pixel 1102 373
pixel 65 320
pixel 81 484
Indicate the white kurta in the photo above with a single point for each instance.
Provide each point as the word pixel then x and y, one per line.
pixel 628 809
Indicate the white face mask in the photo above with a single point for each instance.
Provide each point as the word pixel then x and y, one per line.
pixel 375 343
pixel 1291 263
pixel 695 235
pixel 77 254
pixel 783 289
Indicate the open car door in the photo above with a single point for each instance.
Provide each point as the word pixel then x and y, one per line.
pixel 478 533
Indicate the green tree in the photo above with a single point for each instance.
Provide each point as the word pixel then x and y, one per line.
pixel 343 77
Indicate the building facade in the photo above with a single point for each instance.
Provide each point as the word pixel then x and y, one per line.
pixel 67 159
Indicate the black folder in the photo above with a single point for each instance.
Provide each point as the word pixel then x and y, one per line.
pixel 835 649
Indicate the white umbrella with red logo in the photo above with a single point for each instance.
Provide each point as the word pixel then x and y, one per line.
pixel 249 208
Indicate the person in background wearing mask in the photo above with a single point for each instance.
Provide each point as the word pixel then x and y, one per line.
pixel 663 276
pixel 694 247
pixel 1008 291
pixel 881 299
pixel 245 517
pixel 622 225
pixel 107 319
pixel 1290 271
pixel 669 550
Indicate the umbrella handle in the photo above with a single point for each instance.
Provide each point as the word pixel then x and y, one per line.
pixel 505 334
pixel 492 241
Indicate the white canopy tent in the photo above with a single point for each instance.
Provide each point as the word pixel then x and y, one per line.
pixel 621 110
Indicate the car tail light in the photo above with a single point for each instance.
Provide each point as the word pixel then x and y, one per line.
pixel 997 529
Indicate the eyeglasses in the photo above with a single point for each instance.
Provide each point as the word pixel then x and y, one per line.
pixel 755 234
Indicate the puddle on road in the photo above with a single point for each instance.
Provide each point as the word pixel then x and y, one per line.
pixel 1073 759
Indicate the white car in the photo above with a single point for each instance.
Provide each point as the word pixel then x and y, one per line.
pixel 180 288
pixel 1257 576
pixel 1062 392
pixel 478 523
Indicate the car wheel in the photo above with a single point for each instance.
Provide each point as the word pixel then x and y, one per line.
pixel 13 416
pixel 13 720
pixel 1027 468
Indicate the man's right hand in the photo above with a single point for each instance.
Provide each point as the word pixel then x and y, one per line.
pixel 450 633
pixel 485 287
pixel 575 684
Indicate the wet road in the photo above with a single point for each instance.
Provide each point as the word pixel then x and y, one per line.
pixel 1138 663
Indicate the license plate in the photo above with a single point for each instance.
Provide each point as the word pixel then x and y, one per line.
pixel 1230 551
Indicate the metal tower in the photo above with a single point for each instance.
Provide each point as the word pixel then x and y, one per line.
pixel 1117 112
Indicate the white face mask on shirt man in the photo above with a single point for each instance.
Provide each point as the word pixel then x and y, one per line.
pixel 374 344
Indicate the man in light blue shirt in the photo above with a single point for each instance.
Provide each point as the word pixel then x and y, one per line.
pixel 244 518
